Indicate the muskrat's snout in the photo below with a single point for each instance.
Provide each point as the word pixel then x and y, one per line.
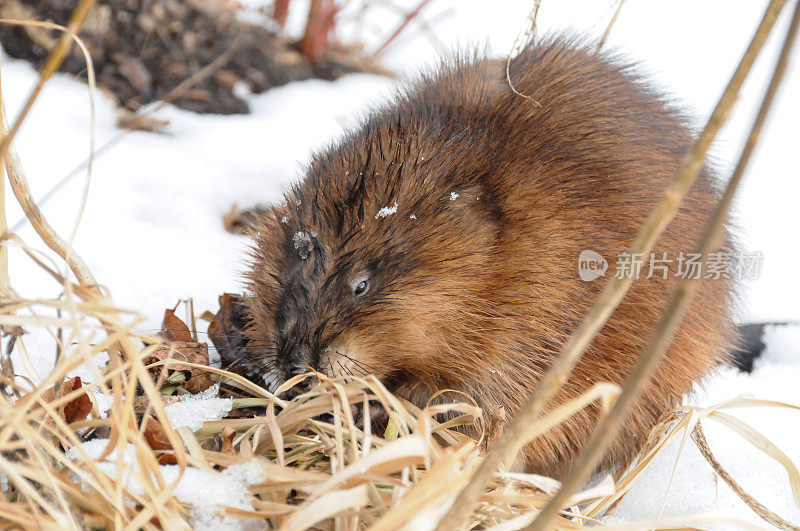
pixel 294 357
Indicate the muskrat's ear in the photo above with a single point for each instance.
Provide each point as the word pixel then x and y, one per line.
pixel 465 197
pixel 471 207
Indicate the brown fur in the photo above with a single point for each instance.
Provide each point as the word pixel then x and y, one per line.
pixel 477 292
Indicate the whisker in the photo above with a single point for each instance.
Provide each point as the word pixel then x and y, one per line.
pixel 365 367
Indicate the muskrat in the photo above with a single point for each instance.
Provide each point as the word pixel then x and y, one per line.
pixel 436 245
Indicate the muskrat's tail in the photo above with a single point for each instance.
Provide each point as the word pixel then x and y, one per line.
pixel 751 343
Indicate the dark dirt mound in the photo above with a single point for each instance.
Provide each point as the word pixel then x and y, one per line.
pixel 142 49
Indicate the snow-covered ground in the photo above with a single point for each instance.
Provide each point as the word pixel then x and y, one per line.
pixel 152 230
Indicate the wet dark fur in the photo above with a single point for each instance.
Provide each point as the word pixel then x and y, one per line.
pixel 473 282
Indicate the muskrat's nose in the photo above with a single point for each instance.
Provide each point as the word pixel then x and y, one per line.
pixel 299 387
pixel 296 370
pixel 297 360
pixel 298 355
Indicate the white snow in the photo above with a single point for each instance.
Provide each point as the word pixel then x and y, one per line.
pixel 386 211
pixel 303 243
pixel 193 410
pixel 695 489
pixel 152 230
pixel 204 489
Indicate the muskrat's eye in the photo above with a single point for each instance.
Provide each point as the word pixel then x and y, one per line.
pixel 361 288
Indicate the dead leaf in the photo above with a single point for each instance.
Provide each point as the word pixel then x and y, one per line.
pixel 134 71
pixel 214 444
pixel 79 407
pixel 227 78
pixel 180 349
pixel 495 424
pixel 228 435
pixel 167 459
pixel 139 122
pixel 175 329
pixel 196 379
pixel 76 409
pixel 155 434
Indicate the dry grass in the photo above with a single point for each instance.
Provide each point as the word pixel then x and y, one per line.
pixel 320 468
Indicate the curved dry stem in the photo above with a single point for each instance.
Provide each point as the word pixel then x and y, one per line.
pixel 140 117
pixel 611 23
pixel 526 35
pixel 17 180
pixel 768 516
pixel 90 75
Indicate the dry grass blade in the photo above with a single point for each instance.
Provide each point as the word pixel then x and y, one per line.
pixel 520 41
pixel 607 32
pixel 17 180
pixel 332 470
pixel 773 519
pixel 90 75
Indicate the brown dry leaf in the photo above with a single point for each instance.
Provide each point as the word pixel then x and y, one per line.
pixel 139 122
pixel 76 409
pixel 227 436
pixel 175 329
pixel 167 459
pixel 214 444
pixel 79 407
pixel 230 220
pixel 132 69
pixel 495 424
pixel 227 78
pixel 155 435
pixel 181 348
pixel 197 380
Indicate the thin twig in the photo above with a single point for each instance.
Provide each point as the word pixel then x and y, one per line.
pixel 5 281
pixel 17 180
pixel 528 35
pixel 662 335
pixel 90 75
pixel 411 15
pixel 615 290
pixel 768 516
pixel 172 95
pixel 603 39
